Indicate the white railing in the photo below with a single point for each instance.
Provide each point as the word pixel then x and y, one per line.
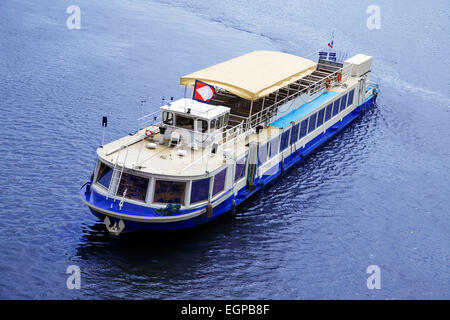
pixel 149 119
pixel 268 113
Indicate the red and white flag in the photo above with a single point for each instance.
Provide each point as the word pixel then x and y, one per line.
pixel 203 92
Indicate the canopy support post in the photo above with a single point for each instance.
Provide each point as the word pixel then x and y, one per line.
pixel 250 115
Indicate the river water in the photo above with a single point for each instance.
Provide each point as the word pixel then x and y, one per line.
pixel 377 194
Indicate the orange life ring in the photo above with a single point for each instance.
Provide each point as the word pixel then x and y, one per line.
pixel 339 76
pixel 328 83
pixel 148 133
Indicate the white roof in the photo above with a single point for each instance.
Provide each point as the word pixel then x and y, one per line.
pixel 358 59
pixel 198 109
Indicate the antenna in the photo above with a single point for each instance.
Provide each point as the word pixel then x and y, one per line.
pixel 140 112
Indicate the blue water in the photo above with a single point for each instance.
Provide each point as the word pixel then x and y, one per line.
pixel 377 194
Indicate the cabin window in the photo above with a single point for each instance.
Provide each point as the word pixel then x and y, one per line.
pixel 200 190
pixel 240 169
pixel 169 191
pixel 274 147
pixel 202 125
pixel 336 107
pixel 294 133
pixel 328 112
pixel 284 140
pixel 303 128
pixel 185 122
pixel 350 97
pixel 213 124
pixel 225 119
pixel 136 187
pixel 168 118
pixel 320 117
pixel 219 122
pixel 104 175
pixel 312 122
pixel 219 182
pixel 262 153
pixel 343 102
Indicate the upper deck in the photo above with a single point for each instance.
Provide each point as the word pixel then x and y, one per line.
pixel 195 139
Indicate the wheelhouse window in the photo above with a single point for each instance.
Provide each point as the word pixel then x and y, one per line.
pixel 343 102
pixel 136 187
pixel 169 191
pixel 294 133
pixel 240 169
pixel 168 118
pixel 328 112
pixel 202 125
pixel 320 117
pixel 219 182
pixel 219 122
pixel 350 97
pixel 225 119
pixel 213 124
pixel 262 153
pixel 185 122
pixel 312 122
pixel 200 190
pixel 303 128
pixel 104 175
pixel 284 140
pixel 274 147
pixel 336 107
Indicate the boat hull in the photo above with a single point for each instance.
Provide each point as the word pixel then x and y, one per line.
pixel 137 217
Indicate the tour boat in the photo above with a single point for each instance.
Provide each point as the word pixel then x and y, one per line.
pixel 241 124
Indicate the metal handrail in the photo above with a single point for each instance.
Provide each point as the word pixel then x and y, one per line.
pixel 266 114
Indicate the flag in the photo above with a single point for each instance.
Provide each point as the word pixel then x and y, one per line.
pixel 203 92
pixel 330 44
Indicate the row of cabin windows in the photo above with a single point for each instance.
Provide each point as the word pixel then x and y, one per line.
pixel 188 122
pixel 169 191
pixel 270 149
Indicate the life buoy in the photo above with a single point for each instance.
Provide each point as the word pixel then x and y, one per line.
pixel 339 76
pixel 148 133
pixel 328 83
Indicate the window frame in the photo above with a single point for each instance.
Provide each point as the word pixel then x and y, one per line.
pixel 120 194
pixel 155 182
pixel 292 141
pixel 96 178
pixel 213 194
pixel 309 122
pixel 185 117
pixel 192 188
pixel 322 118
pixel 343 103
pixel 330 115
pixel 165 120
pixel 303 124
pixel 336 106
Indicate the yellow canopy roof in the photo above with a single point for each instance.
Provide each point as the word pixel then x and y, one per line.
pixel 255 74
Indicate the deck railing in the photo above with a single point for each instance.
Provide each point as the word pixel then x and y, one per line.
pixel 264 116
